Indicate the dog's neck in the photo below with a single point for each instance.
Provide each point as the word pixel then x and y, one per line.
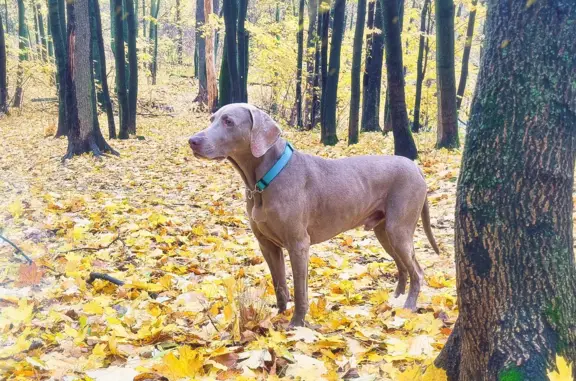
pixel 253 168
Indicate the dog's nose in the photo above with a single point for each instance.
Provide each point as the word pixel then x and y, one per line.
pixel 195 141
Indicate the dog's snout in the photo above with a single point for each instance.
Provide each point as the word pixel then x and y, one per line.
pixel 195 141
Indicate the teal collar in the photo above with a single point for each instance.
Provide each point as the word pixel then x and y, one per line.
pixel 276 168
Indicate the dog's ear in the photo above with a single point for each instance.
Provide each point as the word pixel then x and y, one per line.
pixel 265 132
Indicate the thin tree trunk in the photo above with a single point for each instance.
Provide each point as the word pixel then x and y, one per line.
pixel 201 52
pixel 61 64
pixel 387 111
pixel 39 51
pixel 133 65
pixel 367 61
pixel 49 36
pixel 84 134
pixel 373 76
pixel 466 55
pixel 300 42
pixel 243 50
pixel 316 89
pixel 328 136
pixel 447 132
pixel 354 120
pixel 22 54
pixel 120 56
pixel 3 72
pixel 515 266
pixel 42 33
pixel 155 8
pixel 106 103
pixel 403 141
pixel 420 67
pixel 211 85
pixel 310 62
pixel 325 11
pixel 179 32
pixel 144 18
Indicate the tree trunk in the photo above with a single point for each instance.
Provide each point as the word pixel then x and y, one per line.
pixel 403 141
pixel 61 64
pixel 3 73
pixel 447 132
pixel 153 27
pixel 62 19
pixel 420 67
pixel 316 85
pixel 310 60
pixel 373 76
pixel 37 31
pixel 243 50
pixel 22 54
pixel 516 276
pixel 42 33
pixel 49 37
pixel 231 48
pixel 106 103
pixel 211 85
pixel 325 24
pixel 300 40
pixel 356 67
pixel 466 55
pixel 328 133
pixel 201 52
pixel 179 33
pixel 133 65
pixel 120 57
pixel 84 134
pixel 368 59
pixel 144 18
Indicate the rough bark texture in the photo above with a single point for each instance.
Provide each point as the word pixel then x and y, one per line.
pixel 61 63
pixel 211 85
pixel 403 141
pixel 3 72
pixel 328 132
pixel 84 134
pixel 311 52
pixel 466 55
pixel 373 76
pixel 201 51
pixel 447 132
pixel 300 42
pixel 420 66
pixel 132 64
pixel 23 53
pixel 516 276
pixel 354 120
pixel 119 54
pixel 106 103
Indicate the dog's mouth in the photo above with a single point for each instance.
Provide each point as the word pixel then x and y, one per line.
pixel 202 157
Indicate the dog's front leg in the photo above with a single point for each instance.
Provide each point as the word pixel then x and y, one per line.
pixel 299 258
pixel 275 259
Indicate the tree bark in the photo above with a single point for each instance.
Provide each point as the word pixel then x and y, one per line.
pixel 300 42
pixel 84 133
pixel 36 31
pixel 515 267
pixel 3 72
pixel 368 59
pixel 61 64
pixel 49 36
pixel 466 55
pixel 132 64
pixel 311 52
pixel 354 120
pixel 144 18
pixel 231 49
pixel 106 103
pixel 211 85
pixel 373 76
pixel 179 32
pixel 153 28
pixel 201 51
pixel 42 33
pixel 243 50
pixel 23 46
pixel 328 132
pixel 325 24
pixel 447 131
pixel 403 141
pixel 119 54
pixel 420 67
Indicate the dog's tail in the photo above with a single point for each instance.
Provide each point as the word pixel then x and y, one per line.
pixel 427 227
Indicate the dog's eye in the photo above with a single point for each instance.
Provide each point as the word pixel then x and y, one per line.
pixel 229 122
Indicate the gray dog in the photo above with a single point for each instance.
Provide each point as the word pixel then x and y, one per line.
pixel 295 200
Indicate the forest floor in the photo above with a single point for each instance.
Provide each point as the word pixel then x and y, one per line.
pixel 197 299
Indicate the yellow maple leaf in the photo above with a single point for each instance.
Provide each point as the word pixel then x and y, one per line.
pixel 188 363
pixel 564 372
pixel 434 374
pixel 93 308
pixel 16 208
pixel 413 373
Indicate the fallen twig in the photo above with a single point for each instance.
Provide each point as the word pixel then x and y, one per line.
pixel 94 248
pixel 94 276
pixel 18 250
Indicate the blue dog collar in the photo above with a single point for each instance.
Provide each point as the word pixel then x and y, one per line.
pixel 276 168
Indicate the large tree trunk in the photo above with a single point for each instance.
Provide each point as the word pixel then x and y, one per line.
pixel 354 120
pixel 106 103
pixel 515 270
pixel 447 132
pixel 133 65
pixel 201 52
pixel 243 47
pixel 300 41
pixel 119 54
pixel 23 44
pixel 84 133
pixel 328 132
pixel 211 85
pixel 231 49
pixel 373 76
pixel 420 67
pixel 61 63
pixel 3 73
pixel 311 52
pixel 403 141
pixel 466 55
